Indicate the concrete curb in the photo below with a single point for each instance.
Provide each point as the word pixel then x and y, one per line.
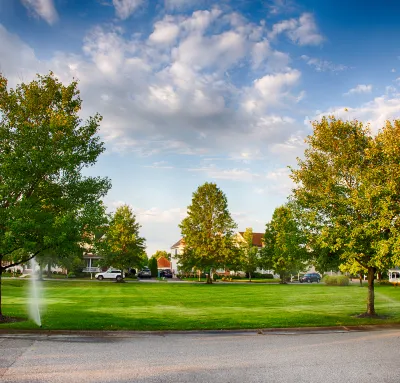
pixel 130 334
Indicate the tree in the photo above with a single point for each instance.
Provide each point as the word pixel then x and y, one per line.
pixel 350 180
pixel 207 231
pixel 162 253
pixel 249 257
pixel 122 246
pixel 153 266
pixel 285 243
pixel 45 201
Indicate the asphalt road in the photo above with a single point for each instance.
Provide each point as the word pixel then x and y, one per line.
pixel 337 357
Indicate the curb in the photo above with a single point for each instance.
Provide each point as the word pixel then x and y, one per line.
pixel 130 334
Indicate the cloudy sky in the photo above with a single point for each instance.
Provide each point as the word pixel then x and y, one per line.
pixel 198 90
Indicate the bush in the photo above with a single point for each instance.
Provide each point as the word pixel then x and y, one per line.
pixel 262 276
pixel 384 282
pixel 153 267
pixel 71 275
pixel 336 280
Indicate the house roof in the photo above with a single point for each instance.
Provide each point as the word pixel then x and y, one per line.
pixel 258 238
pixel 178 244
pixel 90 255
pixel 163 262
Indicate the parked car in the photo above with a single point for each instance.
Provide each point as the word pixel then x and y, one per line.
pixel 109 274
pixel 144 273
pixel 166 273
pixel 310 277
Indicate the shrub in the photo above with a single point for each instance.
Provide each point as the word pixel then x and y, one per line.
pixel 336 280
pixel 153 267
pixel 262 276
pixel 71 275
pixel 384 282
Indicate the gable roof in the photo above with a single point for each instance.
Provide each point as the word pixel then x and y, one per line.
pixel 163 262
pixel 181 242
pixel 258 238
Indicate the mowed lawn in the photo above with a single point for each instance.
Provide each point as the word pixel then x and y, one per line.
pixel 79 305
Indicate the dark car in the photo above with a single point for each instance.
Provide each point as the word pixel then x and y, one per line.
pixel 166 273
pixel 310 277
pixel 144 273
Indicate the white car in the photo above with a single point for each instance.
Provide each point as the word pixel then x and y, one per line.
pixel 109 274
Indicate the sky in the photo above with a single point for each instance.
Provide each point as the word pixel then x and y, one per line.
pixel 195 91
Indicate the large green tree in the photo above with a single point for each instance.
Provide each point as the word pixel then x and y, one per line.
pixel 121 245
pixel 349 180
pixel 45 201
pixel 285 243
pixel 207 231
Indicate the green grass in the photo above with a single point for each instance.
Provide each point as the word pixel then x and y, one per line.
pixel 80 305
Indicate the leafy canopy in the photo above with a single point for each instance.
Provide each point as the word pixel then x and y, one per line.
pixel 349 182
pixel 207 230
pixel 122 246
pixel 285 248
pixel 45 201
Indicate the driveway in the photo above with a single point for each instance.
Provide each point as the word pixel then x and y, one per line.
pixel 203 357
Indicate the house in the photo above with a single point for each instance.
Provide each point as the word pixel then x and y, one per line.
pixel 258 239
pixel 92 262
pixel 178 247
pixel 163 264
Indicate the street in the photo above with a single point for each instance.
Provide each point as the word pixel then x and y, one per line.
pixel 328 356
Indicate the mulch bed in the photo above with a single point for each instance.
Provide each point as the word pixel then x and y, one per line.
pixel 4 319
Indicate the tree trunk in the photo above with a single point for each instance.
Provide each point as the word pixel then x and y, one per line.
pixel 49 270
pixel 361 278
pixel 209 277
pixel 250 276
pixel 282 277
pixel 371 296
pixel 41 272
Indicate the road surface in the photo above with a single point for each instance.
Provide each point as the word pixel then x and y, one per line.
pixel 243 357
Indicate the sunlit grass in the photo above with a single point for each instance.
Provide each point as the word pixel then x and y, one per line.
pixel 167 306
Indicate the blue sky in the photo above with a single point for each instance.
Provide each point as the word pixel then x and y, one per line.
pixel 198 90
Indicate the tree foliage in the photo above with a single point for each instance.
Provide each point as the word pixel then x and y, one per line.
pixel 162 253
pixel 153 266
pixel 285 243
pixel 248 259
pixel 45 201
pixel 207 230
pixel 349 180
pixel 122 246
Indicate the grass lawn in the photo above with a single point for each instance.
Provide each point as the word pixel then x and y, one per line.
pixel 81 305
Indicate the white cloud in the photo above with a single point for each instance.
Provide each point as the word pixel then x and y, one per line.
pixel 279 182
pixel 268 91
pixel 324 65
pixel 125 8
pixel 180 4
pixel 44 9
pixel 157 215
pixel 243 175
pixel 177 97
pixel 281 6
pixel 375 112
pixel 165 31
pixel 302 31
pixel 160 165
pixel 359 89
